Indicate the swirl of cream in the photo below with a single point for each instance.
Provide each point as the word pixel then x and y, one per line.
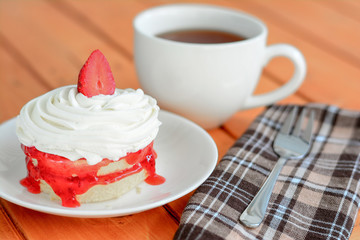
pixel 67 123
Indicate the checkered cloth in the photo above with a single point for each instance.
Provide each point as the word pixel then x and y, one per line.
pixel 316 197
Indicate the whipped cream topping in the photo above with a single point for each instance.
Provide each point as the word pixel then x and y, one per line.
pixel 67 123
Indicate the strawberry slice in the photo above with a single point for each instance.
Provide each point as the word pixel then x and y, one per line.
pixel 95 76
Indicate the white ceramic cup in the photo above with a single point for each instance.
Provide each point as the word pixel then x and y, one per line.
pixel 207 83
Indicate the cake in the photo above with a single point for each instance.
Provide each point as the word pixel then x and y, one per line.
pixel 89 142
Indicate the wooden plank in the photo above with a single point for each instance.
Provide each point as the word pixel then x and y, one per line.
pixel 67 43
pixel 323 67
pixel 152 224
pixel 112 22
pixel 8 229
pixel 355 234
pixel 17 24
pixel 18 85
pixel 331 30
pixel 349 8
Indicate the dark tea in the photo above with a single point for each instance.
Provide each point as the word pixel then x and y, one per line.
pixel 201 36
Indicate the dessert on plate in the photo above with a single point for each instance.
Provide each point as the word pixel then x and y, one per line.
pixel 91 142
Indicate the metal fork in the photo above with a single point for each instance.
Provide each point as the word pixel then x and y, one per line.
pixel 287 146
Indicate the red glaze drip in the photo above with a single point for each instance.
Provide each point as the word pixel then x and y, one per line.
pixel 70 178
pixel 153 178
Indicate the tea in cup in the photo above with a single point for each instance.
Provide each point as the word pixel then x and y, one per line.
pixel 204 62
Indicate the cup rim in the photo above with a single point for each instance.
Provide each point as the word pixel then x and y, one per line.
pixel 139 17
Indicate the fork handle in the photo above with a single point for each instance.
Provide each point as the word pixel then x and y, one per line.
pixel 255 211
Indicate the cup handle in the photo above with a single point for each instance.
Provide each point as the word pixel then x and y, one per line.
pixel 288 88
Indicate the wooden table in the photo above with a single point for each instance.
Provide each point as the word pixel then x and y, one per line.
pixel 43 44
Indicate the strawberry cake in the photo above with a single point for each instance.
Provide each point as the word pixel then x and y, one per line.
pixel 91 142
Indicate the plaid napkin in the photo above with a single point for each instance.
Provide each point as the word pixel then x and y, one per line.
pixel 316 197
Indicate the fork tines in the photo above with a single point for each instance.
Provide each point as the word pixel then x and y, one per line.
pixel 289 122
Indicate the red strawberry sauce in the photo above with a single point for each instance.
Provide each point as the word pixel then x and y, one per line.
pixel 70 178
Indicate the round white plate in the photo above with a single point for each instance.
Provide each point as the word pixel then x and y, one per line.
pixel 186 157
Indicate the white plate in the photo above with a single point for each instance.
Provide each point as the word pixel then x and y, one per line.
pixel 186 157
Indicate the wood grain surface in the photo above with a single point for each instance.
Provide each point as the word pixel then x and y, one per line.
pixel 43 44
